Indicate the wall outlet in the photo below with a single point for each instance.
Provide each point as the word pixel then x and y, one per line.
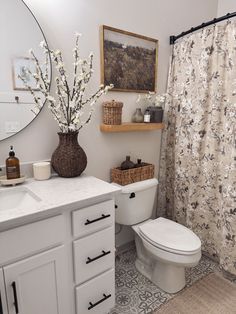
pixel 12 126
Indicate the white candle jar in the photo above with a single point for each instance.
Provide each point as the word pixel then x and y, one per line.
pixel 42 170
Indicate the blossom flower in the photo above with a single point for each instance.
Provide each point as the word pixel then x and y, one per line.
pixel 68 104
pixel 42 44
pixel 153 99
pixel 57 52
pixel 50 98
pixel 138 99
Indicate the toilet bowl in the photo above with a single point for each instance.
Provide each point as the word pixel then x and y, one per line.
pixel 164 247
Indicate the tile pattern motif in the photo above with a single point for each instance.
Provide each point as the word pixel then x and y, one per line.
pixel 135 294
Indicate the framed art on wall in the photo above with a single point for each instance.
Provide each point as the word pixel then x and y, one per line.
pixel 128 60
pixel 22 66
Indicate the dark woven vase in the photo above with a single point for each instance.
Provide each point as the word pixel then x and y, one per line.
pixel 69 159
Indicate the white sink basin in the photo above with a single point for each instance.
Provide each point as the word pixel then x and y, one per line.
pixel 19 197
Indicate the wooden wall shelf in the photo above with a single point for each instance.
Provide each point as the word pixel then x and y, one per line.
pixel 131 127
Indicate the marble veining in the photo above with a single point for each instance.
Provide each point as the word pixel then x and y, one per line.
pixel 57 193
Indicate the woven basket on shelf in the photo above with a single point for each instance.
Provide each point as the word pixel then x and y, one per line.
pixel 112 112
pixel 124 177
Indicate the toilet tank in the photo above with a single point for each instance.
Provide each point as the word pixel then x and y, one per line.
pixel 135 202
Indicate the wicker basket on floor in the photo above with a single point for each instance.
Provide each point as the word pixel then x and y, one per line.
pixel 112 112
pixel 124 177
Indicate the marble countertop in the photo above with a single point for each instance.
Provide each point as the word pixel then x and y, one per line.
pixel 57 194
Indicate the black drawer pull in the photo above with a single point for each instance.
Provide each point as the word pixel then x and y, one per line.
pixel 90 260
pixel 105 297
pixel 15 297
pixel 100 218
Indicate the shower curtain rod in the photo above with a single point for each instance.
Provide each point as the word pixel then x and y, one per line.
pixel 193 29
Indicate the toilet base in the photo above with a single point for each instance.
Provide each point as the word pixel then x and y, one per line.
pixel 168 277
pixel 144 269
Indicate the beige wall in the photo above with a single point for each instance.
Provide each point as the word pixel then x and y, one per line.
pixel 59 20
pixel 226 6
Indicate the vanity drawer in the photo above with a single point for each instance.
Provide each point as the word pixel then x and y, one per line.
pixel 97 296
pixel 31 238
pixel 94 254
pixel 93 218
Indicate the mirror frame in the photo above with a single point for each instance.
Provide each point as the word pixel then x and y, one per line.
pixel 50 69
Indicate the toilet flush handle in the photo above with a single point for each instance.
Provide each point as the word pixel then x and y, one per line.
pixel 132 195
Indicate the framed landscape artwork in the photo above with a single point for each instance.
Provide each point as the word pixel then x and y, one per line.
pixel 128 60
pixel 22 66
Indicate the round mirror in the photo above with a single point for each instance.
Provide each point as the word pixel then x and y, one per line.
pixel 19 32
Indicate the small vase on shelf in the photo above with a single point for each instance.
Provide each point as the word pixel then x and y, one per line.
pixel 137 116
pixel 139 163
pixel 127 164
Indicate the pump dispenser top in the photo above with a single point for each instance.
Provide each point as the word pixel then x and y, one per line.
pixel 11 152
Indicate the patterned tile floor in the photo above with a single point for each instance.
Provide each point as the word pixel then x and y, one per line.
pixel 136 294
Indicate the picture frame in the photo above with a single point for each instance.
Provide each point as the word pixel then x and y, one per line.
pixel 19 67
pixel 128 60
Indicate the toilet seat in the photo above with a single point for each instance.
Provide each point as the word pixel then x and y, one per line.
pixel 170 236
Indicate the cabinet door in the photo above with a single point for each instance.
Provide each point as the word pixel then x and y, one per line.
pixel 38 284
pixel 3 303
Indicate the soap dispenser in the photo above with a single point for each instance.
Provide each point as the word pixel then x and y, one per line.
pixel 12 166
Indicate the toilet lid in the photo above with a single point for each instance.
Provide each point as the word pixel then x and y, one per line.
pixel 170 236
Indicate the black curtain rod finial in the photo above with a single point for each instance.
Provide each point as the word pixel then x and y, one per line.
pixel 172 40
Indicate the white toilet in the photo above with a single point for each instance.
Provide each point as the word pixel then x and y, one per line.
pixel 164 247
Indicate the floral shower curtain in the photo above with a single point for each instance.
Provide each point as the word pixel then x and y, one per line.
pixel 198 172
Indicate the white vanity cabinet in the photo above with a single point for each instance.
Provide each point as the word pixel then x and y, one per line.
pixel 61 261
pixel 35 285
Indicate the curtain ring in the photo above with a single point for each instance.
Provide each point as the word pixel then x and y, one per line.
pixel 228 20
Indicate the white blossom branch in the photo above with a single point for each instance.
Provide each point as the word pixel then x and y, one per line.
pixel 67 107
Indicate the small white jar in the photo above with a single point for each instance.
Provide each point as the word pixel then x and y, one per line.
pixel 42 170
pixel 147 116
